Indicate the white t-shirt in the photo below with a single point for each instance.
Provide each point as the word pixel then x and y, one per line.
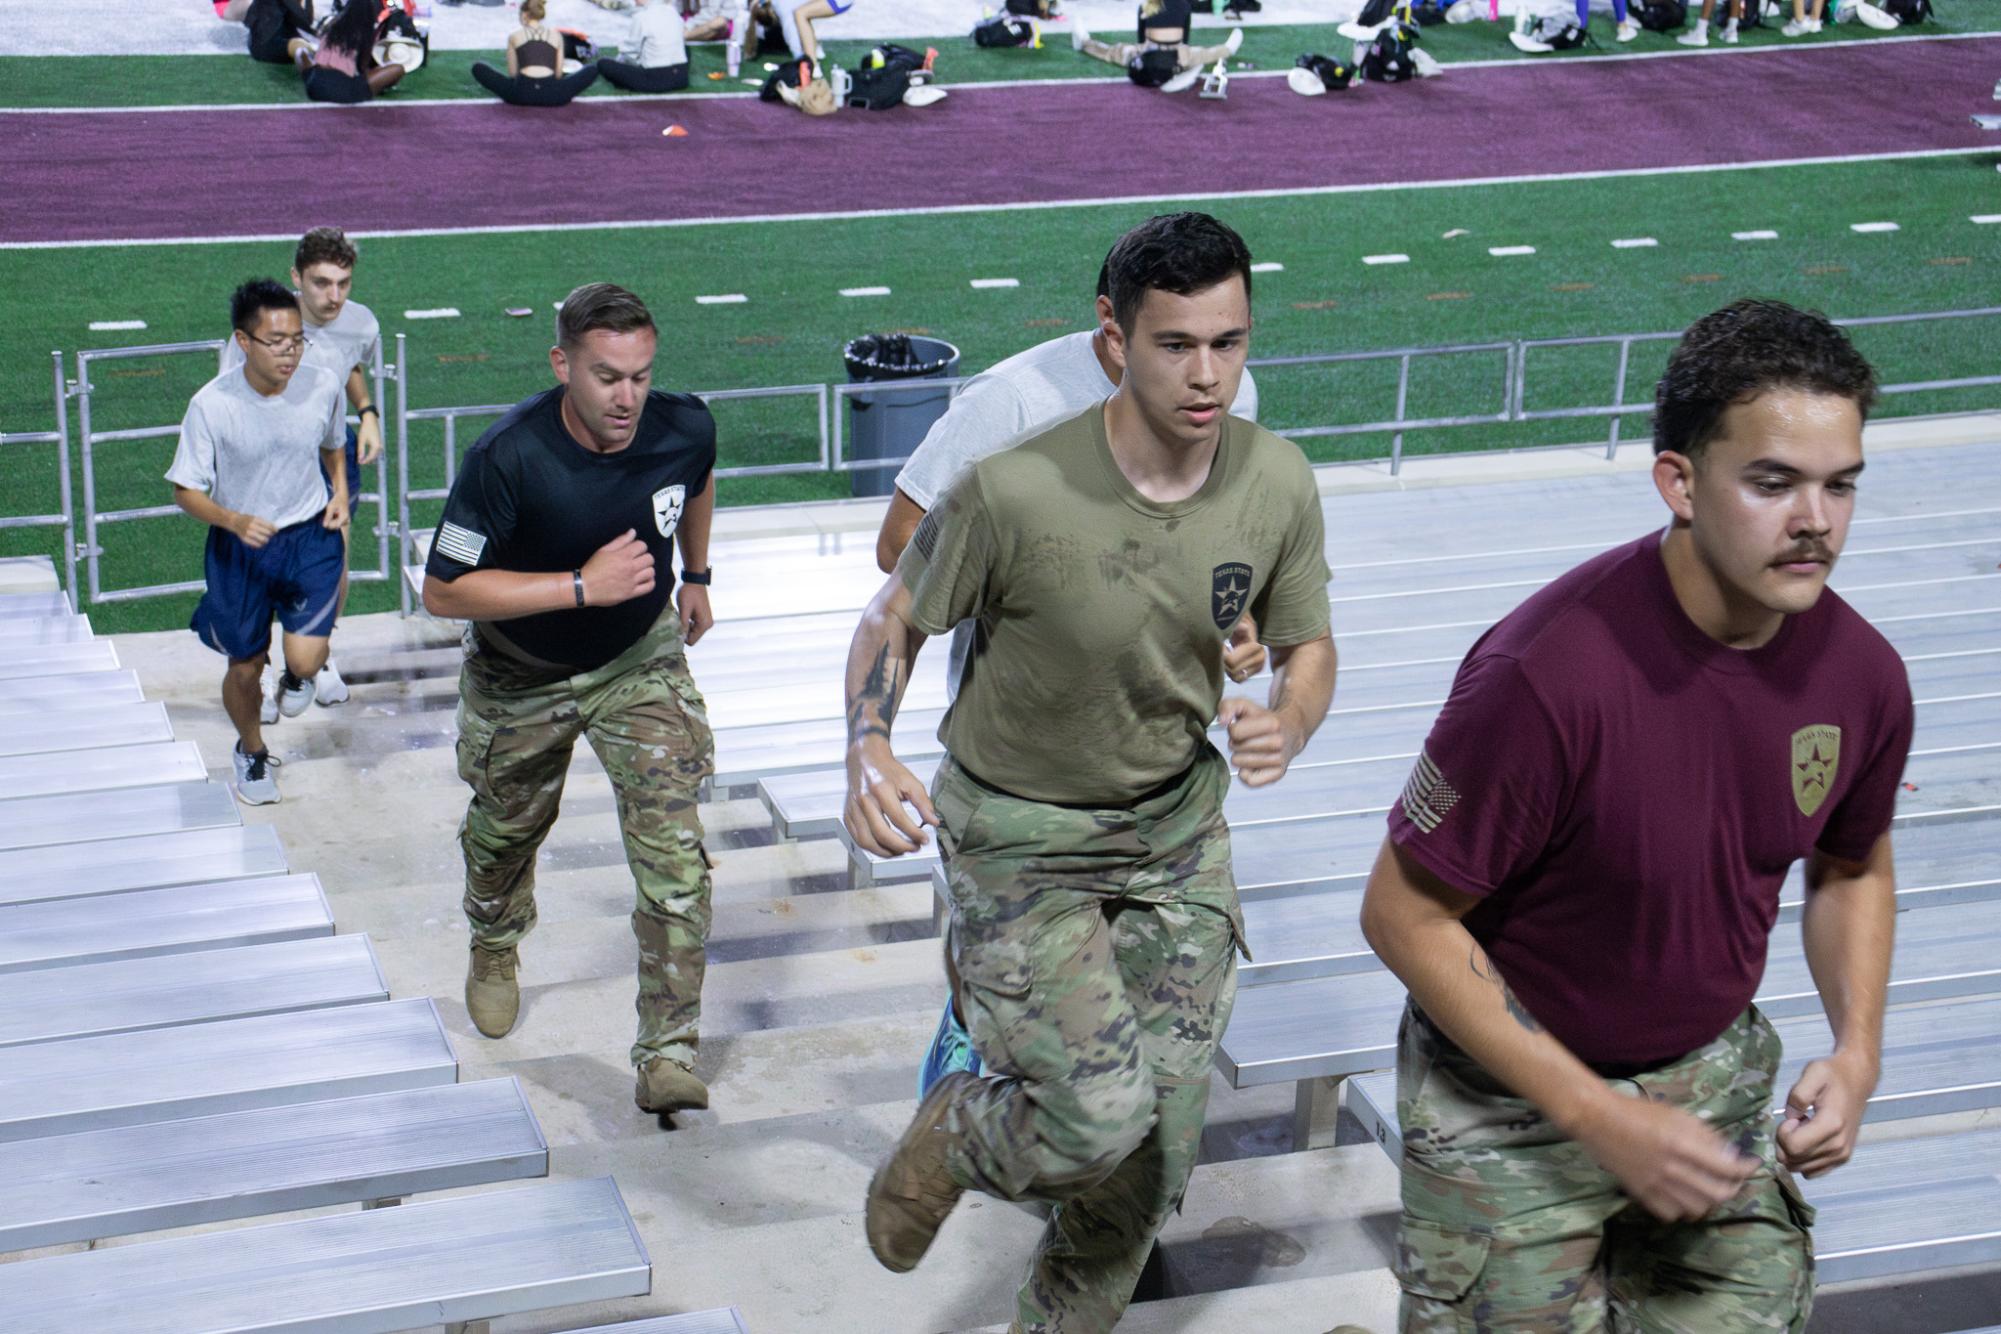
pixel 259 455
pixel 1027 393
pixel 348 340
pixel 658 36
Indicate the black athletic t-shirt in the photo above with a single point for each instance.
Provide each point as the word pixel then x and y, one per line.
pixel 1171 14
pixel 529 498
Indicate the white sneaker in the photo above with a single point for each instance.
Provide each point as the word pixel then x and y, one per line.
pixel 1184 80
pixel 256 785
pixel 1800 27
pixel 1730 34
pixel 1079 34
pixel 267 712
pixel 293 699
pixel 1528 45
pixel 1628 31
pixel 1234 40
pixel 328 688
pixel 1694 37
pixel 1871 16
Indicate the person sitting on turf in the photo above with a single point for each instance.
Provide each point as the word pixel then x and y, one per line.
pixel 1161 58
pixel 344 69
pixel 1698 35
pixel 653 58
pixel 534 75
pixel 796 18
pixel 717 21
pixel 278 31
pixel 231 11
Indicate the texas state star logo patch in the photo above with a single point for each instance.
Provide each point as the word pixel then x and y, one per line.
pixel 1229 589
pixel 1816 758
pixel 667 504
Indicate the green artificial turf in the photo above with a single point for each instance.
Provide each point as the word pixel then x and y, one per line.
pixel 792 326
pixel 121 81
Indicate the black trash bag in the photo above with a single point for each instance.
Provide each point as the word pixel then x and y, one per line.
pixel 888 357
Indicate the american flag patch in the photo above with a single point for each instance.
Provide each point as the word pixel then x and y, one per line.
pixel 1427 796
pixel 459 544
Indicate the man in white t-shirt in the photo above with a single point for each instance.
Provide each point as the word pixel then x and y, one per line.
pixel 343 338
pixel 1008 402
pixel 259 461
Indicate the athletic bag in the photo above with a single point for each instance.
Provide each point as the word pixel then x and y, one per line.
pixel 786 75
pixel 1908 11
pixel 1331 73
pixel 1660 15
pixel 578 46
pixel 1388 59
pixel 878 89
pixel 1562 34
pixel 1004 31
pixel 1150 69
pixel 1034 9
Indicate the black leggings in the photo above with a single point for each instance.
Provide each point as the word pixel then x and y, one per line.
pixel 326 85
pixel 550 92
pixel 644 78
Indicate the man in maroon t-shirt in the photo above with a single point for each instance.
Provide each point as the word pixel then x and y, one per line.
pixel 1583 870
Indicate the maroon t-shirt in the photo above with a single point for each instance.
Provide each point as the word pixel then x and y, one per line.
pixel 1625 795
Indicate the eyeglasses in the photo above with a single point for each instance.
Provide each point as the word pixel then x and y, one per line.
pixel 281 345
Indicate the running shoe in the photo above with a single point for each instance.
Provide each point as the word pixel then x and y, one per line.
pixel 951 1051
pixel 294 695
pixel 267 711
pixel 1697 36
pixel 1628 31
pixel 1185 80
pixel 328 688
pixel 256 785
pixel 1730 33
pixel 1079 34
pixel 1234 40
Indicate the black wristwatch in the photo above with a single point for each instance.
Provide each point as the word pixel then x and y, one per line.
pixel 699 578
pixel 364 411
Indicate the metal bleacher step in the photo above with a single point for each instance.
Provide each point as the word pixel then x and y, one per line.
pixel 168 990
pixel 39 605
pixel 1333 1026
pixel 172 919
pixel 25 633
pixel 203 857
pixel 208 1169
pixel 469 1257
pixel 105 725
pixel 96 655
pixel 102 769
pixel 1898 1206
pixel 722 1320
pixel 67 693
pixel 38 822
pixel 1936 1060
pixel 57 1088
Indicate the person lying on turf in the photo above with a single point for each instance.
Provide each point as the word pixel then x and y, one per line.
pixel 1161 58
pixel 278 31
pixel 534 75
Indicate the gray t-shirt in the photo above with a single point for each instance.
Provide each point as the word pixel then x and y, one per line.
pixel 258 455
pixel 1022 396
pixel 658 36
pixel 349 339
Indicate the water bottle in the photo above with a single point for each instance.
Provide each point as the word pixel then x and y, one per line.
pixel 734 54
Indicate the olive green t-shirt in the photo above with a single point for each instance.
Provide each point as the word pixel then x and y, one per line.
pixel 1100 615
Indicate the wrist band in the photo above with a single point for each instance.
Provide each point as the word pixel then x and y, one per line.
pixel 363 412
pixel 699 578
pixel 577 579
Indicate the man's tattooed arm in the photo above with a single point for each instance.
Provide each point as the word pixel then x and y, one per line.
pixel 1483 968
pixel 872 707
pixel 879 663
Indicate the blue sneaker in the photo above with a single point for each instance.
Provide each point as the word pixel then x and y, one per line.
pixel 951 1049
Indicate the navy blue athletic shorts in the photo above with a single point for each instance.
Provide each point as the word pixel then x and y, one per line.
pixel 295 575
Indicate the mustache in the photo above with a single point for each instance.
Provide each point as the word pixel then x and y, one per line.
pixel 1806 551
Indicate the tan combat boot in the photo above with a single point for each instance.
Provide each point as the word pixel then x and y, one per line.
pixel 666 1087
pixel 493 997
pixel 912 1193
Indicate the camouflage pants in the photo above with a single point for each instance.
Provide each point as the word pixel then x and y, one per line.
pixel 1509 1226
pixel 1093 956
pixel 645 719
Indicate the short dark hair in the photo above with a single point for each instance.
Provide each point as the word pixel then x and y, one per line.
pixel 255 297
pixel 600 306
pixel 1173 252
pixel 324 245
pixel 1750 346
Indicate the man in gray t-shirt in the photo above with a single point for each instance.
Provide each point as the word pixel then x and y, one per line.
pixel 259 461
pixel 343 338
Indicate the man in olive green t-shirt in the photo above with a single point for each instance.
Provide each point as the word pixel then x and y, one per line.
pixel 1095 926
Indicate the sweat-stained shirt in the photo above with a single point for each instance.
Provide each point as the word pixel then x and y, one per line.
pixel 1097 661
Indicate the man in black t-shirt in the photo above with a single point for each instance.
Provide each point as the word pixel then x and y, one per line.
pixel 556 525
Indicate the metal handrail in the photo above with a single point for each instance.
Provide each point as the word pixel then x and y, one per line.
pixel 66 519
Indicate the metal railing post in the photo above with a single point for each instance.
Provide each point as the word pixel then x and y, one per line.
pixel 826 445
pixel 1618 399
pixel 63 480
pixel 1403 397
pixel 90 548
pixel 403 536
pixel 387 571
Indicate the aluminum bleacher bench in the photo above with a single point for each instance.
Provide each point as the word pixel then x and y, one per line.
pixel 1316 1031
pixel 95 655
pixel 723 1320
pixel 1936 1060
pixel 1899 1206
pixel 147 861
pixel 59 1088
pixel 24 633
pixel 39 822
pixel 468 1258
pixel 84 729
pixel 164 991
pixel 41 605
pixel 206 1169
pixel 176 919
pixel 35 695
pixel 146 765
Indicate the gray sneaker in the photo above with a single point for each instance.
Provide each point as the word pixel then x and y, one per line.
pixel 294 695
pixel 256 785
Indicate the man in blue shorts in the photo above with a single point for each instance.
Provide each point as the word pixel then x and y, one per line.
pixel 260 462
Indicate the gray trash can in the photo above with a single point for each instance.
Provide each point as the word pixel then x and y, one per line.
pixel 891 425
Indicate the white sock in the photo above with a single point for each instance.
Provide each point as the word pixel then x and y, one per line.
pixel 1702 27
